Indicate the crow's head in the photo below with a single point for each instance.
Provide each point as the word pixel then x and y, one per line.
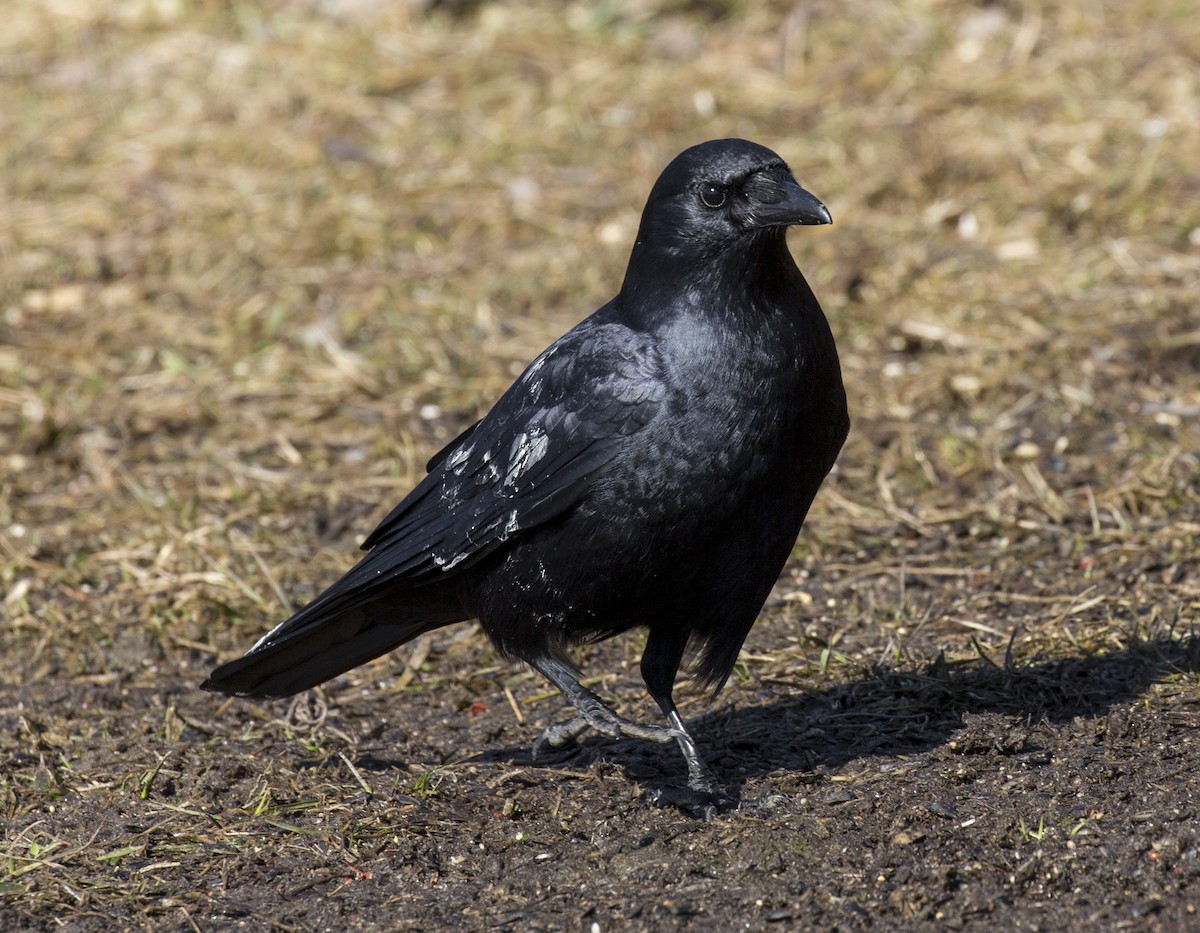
pixel 721 195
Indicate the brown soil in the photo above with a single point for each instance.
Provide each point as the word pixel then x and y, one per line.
pixel 257 261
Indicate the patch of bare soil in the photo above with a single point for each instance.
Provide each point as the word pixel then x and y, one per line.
pixel 1042 796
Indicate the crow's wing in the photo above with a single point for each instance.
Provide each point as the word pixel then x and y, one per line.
pixel 534 454
pixel 530 459
pixel 442 454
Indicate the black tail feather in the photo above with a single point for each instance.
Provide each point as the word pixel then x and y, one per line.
pixel 288 662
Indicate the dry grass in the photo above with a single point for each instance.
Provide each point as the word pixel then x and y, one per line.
pixel 258 260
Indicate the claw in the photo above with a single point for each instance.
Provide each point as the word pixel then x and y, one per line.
pixel 699 803
pixel 559 735
pixel 760 804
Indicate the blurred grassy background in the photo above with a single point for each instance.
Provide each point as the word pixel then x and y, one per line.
pixel 258 260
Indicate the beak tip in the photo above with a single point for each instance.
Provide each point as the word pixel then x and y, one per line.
pixel 799 208
pixel 817 216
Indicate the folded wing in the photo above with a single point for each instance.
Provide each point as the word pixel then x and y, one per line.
pixel 532 458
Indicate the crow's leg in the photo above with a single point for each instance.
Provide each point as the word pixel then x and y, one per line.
pixel 660 664
pixel 593 713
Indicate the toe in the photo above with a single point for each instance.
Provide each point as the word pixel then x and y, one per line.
pixel 702 805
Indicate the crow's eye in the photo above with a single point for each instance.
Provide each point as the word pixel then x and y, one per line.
pixel 712 196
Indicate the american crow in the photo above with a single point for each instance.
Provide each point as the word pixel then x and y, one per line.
pixel 651 468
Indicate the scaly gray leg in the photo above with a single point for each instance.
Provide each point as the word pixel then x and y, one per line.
pixel 594 713
pixel 660 664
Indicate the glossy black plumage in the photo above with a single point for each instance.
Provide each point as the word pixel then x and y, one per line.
pixel 651 468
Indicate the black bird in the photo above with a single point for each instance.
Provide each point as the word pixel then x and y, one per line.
pixel 651 468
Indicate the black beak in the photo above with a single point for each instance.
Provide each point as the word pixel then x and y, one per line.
pixel 795 206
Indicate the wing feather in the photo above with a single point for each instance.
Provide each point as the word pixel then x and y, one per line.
pixel 533 457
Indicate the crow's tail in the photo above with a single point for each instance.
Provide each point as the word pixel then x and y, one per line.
pixel 322 640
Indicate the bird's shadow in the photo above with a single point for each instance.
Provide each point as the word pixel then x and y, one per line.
pixel 891 713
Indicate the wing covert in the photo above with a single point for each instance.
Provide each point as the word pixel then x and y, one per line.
pixel 531 458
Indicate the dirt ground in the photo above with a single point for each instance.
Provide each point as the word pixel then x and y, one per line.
pixel 258 261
